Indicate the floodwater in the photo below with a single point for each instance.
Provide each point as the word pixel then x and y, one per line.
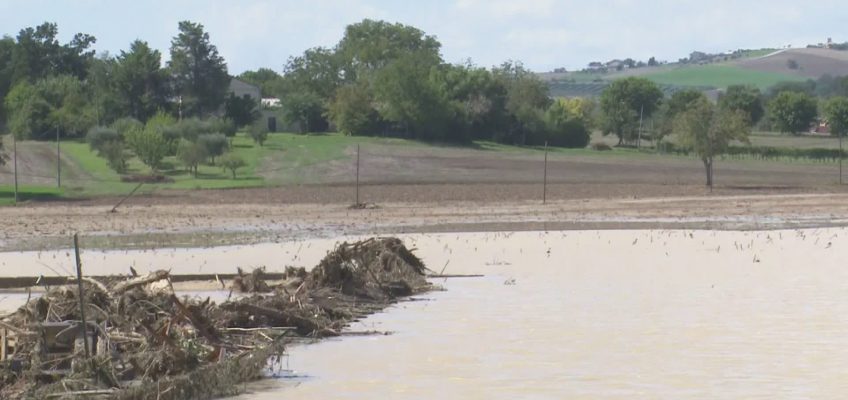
pixel 596 315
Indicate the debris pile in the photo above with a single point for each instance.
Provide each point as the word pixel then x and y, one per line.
pixel 141 341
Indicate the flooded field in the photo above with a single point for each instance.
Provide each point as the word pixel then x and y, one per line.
pixel 581 314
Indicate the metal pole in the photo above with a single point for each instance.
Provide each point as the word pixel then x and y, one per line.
pixel 15 152
pixel 357 174
pixel 545 177
pixel 81 296
pixel 639 140
pixel 58 161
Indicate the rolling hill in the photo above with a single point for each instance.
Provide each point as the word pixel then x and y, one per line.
pixel 762 68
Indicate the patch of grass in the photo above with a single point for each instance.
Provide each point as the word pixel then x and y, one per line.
pixel 28 192
pixel 719 76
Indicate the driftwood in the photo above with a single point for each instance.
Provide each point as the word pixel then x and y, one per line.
pixel 140 281
pixel 174 348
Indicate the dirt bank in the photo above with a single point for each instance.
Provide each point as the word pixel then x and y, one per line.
pixel 211 218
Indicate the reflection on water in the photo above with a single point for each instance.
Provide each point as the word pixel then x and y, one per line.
pixel 618 315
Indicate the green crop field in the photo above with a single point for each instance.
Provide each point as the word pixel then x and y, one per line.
pixel 719 76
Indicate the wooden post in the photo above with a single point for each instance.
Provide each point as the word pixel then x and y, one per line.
pixel 58 161
pixel 545 177
pixel 81 297
pixel 840 158
pixel 357 175
pixel 15 156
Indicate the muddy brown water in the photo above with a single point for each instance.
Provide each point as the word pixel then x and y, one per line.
pixel 589 314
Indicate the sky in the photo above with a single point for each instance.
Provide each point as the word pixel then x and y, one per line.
pixel 543 34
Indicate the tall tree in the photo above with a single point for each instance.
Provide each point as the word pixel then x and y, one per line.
pixel 141 80
pixel 836 112
pixel 39 54
pixel 744 98
pixel 269 81
pixel 242 111
pixel 7 49
pixel 370 45
pixel 624 101
pixel 57 102
pixel 105 98
pixel 527 98
pixel 793 112
pixel 708 131
pixel 405 96
pixel 199 73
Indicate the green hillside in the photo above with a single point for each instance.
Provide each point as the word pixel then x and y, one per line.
pixel 719 76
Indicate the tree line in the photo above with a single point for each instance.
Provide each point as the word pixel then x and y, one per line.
pixel 47 86
pixel 391 80
pixel 707 128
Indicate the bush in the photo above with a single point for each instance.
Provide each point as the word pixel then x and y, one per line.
pixel 572 134
pixel 124 125
pixel 259 132
pixel 221 125
pixel 601 146
pixel 98 136
pixel 232 162
pixel 191 155
pixel 149 145
pixel 215 144
pixel 115 154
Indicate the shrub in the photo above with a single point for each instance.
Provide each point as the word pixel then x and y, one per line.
pixel 100 135
pixel 149 145
pixel 115 154
pixel 601 146
pixel 124 125
pixel 221 125
pixel 191 154
pixel 232 162
pixel 259 132
pixel 214 143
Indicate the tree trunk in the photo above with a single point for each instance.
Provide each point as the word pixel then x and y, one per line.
pixel 708 167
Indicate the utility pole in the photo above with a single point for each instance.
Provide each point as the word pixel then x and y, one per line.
pixel 545 177
pixel 15 156
pixel 357 175
pixel 639 140
pixel 58 161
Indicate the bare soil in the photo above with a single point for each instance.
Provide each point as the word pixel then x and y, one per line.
pixel 812 63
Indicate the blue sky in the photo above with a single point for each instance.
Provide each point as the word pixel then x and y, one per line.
pixel 544 34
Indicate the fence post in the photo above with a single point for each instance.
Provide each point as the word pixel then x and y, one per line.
pixel 545 177
pixel 840 158
pixel 357 175
pixel 81 296
pixel 58 161
pixel 15 162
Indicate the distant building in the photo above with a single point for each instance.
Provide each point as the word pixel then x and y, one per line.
pixel 615 65
pixel 271 102
pixel 268 112
pixel 596 66
pixel 241 88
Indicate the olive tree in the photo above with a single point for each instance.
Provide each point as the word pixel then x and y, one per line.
pixel 708 131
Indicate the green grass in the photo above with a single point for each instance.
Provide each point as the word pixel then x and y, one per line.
pixel 298 159
pixel 719 76
pixel 28 192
